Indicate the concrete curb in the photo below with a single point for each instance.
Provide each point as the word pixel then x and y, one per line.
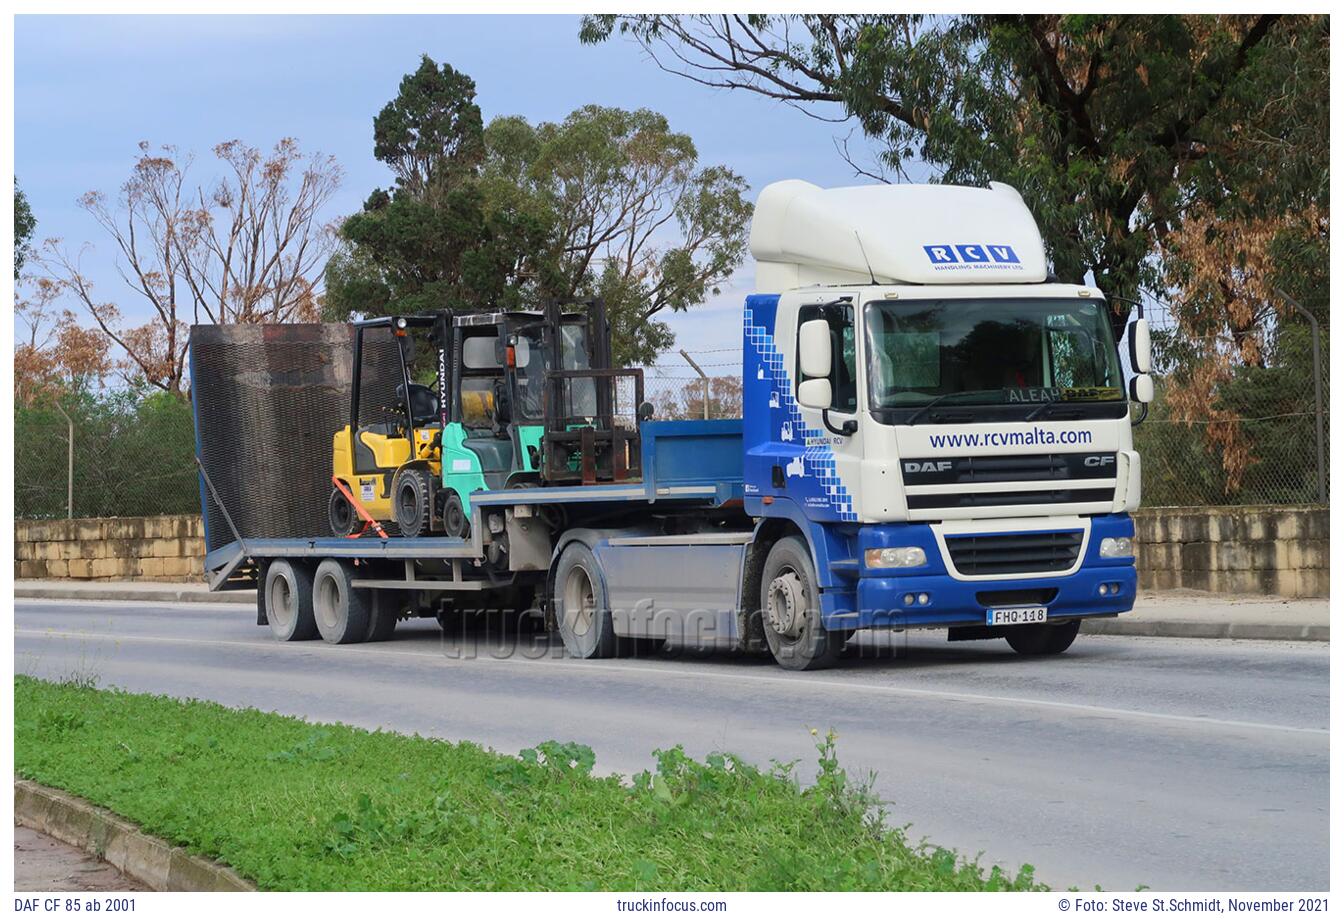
pixel 94 591
pixel 149 860
pixel 1203 629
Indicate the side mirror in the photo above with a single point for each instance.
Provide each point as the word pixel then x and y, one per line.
pixel 815 393
pixel 814 351
pixel 1140 347
pixel 1140 388
pixel 645 411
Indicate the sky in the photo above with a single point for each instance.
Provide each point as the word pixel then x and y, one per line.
pixel 88 89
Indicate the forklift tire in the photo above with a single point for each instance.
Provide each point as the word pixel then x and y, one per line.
pixel 412 500
pixel 455 523
pixel 288 601
pixel 341 610
pixel 580 602
pixel 1042 638
pixel 340 514
pixel 791 608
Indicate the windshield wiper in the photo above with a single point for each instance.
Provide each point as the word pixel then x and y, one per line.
pixel 1031 416
pixel 937 399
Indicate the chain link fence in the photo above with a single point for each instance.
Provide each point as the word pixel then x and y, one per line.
pixel 1253 441
pixel 1233 433
pixel 116 457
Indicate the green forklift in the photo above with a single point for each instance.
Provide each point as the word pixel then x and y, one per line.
pixel 530 403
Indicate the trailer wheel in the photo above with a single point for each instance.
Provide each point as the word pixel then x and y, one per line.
pixel 412 500
pixel 580 600
pixel 791 609
pixel 342 611
pixel 384 608
pixel 1042 638
pixel 287 593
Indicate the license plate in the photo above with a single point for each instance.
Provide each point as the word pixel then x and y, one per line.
pixel 1014 616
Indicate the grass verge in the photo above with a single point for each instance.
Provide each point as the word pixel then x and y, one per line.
pixel 301 806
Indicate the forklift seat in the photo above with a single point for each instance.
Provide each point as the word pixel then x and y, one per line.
pixel 424 404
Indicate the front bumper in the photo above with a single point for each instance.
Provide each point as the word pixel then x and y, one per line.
pixel 879 597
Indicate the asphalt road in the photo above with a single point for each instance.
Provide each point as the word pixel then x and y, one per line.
pixel 1172 763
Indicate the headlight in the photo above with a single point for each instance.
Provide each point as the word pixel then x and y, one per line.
pixel 1115 547
pixel 895 557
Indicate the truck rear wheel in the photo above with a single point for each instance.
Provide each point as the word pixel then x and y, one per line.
pixel 1042 638
pixel 580 601
pixel 341 610
pixel 791 609
pixel 287 597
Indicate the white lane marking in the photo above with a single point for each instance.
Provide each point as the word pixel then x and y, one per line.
pixel 670 671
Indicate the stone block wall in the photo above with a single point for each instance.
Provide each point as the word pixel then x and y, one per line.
pixel 1281 550
pixel 165 548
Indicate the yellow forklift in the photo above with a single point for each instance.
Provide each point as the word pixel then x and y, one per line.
pixel 386 463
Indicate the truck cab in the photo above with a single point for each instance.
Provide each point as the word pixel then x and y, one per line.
pixel 948 427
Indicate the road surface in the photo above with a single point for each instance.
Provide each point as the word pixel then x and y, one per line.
pixel 1172 763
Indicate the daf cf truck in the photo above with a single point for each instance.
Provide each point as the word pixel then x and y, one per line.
pixel 935 434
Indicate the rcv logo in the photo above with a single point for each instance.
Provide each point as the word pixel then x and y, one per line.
pixel 928 466
pixel 972 254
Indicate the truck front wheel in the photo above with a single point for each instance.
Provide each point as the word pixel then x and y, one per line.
pixel 1042 638
pixel 791 610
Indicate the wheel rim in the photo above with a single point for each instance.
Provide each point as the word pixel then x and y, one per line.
pixel 580 605
pixel 280 602
pixel 786 604
pixel 328 596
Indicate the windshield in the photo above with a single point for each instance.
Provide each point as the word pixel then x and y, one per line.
pixel 990 353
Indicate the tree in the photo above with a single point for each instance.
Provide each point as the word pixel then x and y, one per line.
pixel 55 358
pixel 638 221
pixel 24 226
pixel 246 251
pixel 433 242
pixel 1099 121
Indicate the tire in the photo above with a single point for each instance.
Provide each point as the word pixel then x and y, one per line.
pixel 791 610
pixel 412 501
pixel 341 611
pixel 580 601
pixel 455 523
pixel 288 601
pixel 1042 638
pixel 384 608
pixel 340 514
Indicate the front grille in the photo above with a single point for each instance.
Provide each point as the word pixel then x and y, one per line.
pixel 1007 554
pixel 1009 468
pixel 987 499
